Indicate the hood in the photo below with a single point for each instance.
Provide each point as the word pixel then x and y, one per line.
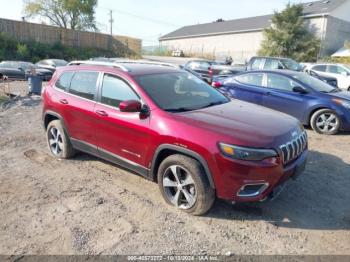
pixel 342 94
pixel 245 124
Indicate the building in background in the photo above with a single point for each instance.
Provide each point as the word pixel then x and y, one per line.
pixel 241 38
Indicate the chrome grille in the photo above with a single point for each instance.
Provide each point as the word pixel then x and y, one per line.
pixel 294 148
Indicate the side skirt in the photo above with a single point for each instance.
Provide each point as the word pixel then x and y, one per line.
pixel 110 157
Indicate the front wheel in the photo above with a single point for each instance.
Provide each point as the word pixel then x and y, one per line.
pixel 183 184
pixel 326 122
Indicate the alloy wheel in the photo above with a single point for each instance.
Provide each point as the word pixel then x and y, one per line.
pixel 179 187
pixel 55 141
pixel 327 122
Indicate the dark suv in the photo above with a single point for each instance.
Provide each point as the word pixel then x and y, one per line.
pixel 270 63
pixel 171 127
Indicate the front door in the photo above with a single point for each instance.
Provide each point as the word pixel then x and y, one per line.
pixel 120 135
pixel 279 96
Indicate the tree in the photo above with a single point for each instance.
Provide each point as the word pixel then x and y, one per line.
pixel 74 14
pixel 288 37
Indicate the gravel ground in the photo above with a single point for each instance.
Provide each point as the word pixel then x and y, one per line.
pixel 88 206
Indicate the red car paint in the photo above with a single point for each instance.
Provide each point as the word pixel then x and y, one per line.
pixel 137 138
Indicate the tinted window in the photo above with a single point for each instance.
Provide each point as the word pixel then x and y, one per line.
pixel 64 81
pixel 292 65
pixel 84 84
pixel 336 69
pixel 313 82
pixel 115 90
pixel 271 64
pixel 280 82
pixel 321 68
pixel 251 79
pixel 178 92
pixel 257 63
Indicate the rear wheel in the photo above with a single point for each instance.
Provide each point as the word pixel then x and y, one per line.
pixel 58 141
pixel 325 121
pixel 183 184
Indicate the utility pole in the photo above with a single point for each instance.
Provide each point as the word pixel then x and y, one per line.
pixel 111 21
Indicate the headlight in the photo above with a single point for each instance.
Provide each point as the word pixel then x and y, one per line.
pixel 245 153
pixel 342 102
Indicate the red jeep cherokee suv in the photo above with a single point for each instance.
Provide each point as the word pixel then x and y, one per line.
pixel 171 127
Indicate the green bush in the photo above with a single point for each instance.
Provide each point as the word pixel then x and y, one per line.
pixel 11 49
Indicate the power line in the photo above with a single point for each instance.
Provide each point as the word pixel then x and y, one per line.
pixel 149 19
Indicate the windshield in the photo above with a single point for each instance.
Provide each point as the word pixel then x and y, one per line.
pixel 292 65
pixel 179 92
pixel 347 67
pixel 314 83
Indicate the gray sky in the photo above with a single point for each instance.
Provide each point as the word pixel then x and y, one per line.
pixel 148 19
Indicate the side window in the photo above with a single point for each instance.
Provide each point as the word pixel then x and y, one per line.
pixel 320 68
pixel 115 90
pixel 83 84
pixel 271 64
pixel 64 81
pixel 251 79
pixel 280 82
pixel 336 69
pixel 257 63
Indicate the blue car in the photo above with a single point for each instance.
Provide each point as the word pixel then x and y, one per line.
pixel 325 108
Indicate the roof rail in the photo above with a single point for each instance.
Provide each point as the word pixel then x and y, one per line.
pixel 89 62
pixel 118 63
pixel 146 62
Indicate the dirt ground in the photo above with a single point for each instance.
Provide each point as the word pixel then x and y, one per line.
pixel 88 206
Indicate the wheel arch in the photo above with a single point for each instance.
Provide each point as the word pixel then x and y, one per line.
pixel 165 150
pixel 50 116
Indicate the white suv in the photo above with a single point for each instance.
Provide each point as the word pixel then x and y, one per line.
pixel 340 71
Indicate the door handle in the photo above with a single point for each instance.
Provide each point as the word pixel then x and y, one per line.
pixel 268 93
pixel 63 101
pixel 101 113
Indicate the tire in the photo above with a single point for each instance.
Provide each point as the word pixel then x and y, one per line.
pixel 325 122
pixel 190 190
pixel 58 141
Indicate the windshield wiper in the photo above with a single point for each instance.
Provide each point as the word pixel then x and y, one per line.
pixel 212 104
pixel 335 90
pixel 180 109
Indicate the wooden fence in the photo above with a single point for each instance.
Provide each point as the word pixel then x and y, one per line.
pixel 24 31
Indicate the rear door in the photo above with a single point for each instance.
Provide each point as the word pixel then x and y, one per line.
pixel 248 87
pixel 120 135
pixel 279 95
pixel 78 107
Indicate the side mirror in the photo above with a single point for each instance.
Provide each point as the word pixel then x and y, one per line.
pixel 130 106
pixel 344 73
pixel 299 89
pixel 20 69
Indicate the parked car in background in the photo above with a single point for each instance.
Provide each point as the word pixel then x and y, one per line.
pixel 18 70
pixel 208 68
pixel 51 64
pixel 171 127
pixel 339 71
pixel 325 108
pixel 271 63
pixel 327 79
